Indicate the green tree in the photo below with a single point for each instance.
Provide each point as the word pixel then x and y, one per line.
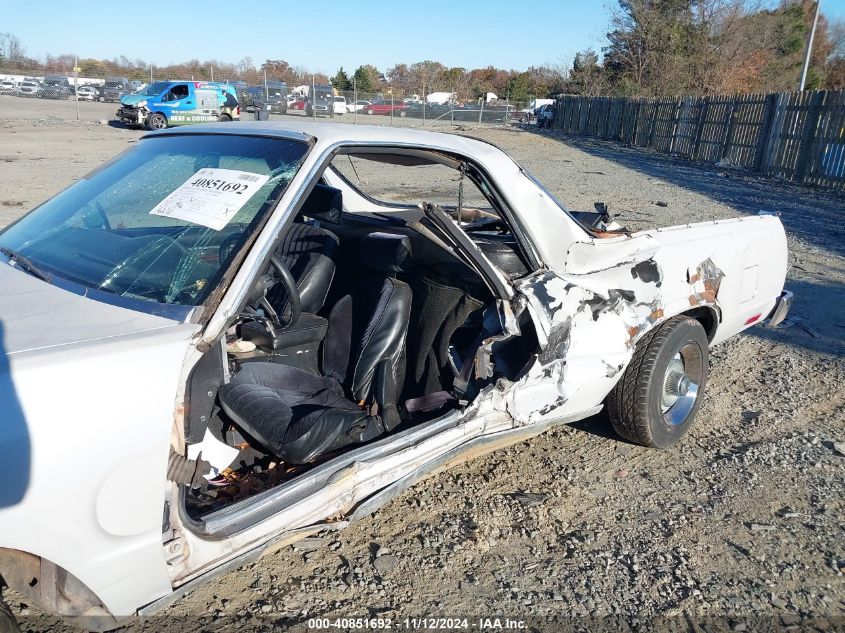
pixel 368 78
pixel 519 87
pixel 341 80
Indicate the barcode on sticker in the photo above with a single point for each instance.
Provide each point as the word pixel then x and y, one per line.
pixel 249 177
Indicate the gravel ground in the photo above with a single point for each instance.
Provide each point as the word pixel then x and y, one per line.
pixel 740 527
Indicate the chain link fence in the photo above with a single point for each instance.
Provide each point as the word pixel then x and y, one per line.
pixel 274 96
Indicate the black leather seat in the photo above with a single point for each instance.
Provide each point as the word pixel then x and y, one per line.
pixel 297 415
pixel 309 251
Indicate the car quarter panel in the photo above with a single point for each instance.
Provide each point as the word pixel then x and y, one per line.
pixel 92 424
pixel 593 311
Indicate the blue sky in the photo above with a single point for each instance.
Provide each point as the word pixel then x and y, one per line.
pixel 317 35
pixel 320 36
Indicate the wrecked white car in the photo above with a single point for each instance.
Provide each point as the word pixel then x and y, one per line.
pixel 231 337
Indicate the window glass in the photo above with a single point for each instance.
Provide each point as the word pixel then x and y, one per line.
pixel 177 92
pixel 101 233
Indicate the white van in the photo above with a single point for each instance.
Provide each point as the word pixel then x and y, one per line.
pixel 339 105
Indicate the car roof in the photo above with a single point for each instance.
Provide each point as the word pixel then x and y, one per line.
pixel 332 133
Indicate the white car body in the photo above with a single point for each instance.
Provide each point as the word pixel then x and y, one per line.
pixel 357 106
pixel 87 93
pixel 8 86
pixel 93 394
pixel 339 105
pixel 29 88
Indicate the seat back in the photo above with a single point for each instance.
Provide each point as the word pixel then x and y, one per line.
pixel 363 349
pixel 309 252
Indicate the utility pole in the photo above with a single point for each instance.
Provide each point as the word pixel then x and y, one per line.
pixel 314 98
pixel 355 99
pixel 151 73
pixel 809 50
pixel 76 84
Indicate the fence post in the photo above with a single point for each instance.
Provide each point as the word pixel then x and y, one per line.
pixel 699 126
pixel 808 136
pixel 674 136
pixel 764 140
pixel 652 123
pixel 729 130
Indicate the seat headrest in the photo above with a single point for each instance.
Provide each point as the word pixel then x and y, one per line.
pixel 386 252
pixel 324 203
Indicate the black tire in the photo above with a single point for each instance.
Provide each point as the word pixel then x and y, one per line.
pixel 156 121
pixel 637 405
pixel 402 113
pixel 370 111
pixel 8 624
pixel 225 118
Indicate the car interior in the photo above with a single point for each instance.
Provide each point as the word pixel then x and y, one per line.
pixel 364 324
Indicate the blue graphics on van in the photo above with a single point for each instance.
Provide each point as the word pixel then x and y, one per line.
pixel 166 103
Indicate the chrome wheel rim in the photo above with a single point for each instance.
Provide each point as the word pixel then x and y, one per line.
pixel 158 123
pixel 681 384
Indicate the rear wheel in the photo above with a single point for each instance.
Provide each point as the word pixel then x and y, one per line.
pixel 225 118
pixel 156 121
pixel 656 399
pixel 8 624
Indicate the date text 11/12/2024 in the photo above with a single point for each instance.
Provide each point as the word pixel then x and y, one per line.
pixel 418 624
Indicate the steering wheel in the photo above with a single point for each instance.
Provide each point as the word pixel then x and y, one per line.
pixel 286 278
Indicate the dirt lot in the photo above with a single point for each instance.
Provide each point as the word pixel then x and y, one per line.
pixel 741 526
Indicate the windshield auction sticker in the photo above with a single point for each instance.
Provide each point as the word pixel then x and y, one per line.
pixel 211 197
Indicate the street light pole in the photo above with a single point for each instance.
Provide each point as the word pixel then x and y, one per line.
pixel 809 50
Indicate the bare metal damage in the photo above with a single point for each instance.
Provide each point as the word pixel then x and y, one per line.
pixel 589 325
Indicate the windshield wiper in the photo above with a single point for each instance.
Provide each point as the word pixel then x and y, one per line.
pixel 21 261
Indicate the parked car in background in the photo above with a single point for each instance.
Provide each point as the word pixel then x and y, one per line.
pixel 127 300
pixel 166 103
pixel 55 87
pixel 275 95
pixel 546 115
pixel 386 107
pixel 88 93
pixel 320 107
pixel 8 87
pixel 339 105
pixel 114 88
pixel 358 105
pixel 29 89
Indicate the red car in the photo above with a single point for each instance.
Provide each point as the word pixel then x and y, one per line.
pixel 385 107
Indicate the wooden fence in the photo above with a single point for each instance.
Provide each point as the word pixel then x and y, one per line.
pixel 797 136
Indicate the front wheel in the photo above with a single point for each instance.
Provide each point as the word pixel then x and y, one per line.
pixel 156 121
pixel 225 118
pixel 656 399
pixel 402 113
pixel 370 111
pixel 8 624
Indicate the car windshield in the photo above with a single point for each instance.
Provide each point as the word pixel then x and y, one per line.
pixel 153 90
pixel 159 223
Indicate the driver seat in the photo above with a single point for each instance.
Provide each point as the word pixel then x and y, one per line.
pixel 309 251
pixel 297 415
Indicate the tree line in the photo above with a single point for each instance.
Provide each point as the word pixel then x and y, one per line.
pixel 654 48
pixel 701 47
